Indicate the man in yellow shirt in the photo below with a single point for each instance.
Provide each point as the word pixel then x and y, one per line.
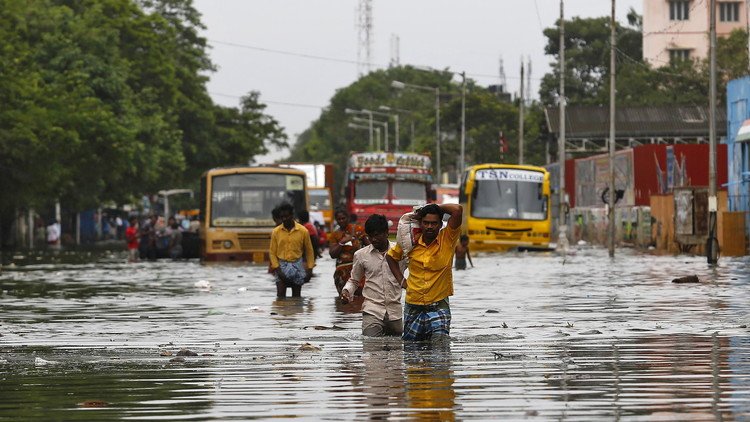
pixel 289 242
pixel 427 314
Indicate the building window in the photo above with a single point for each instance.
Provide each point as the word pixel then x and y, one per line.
pixel 679 10
pixel 729 12
pixel 679 55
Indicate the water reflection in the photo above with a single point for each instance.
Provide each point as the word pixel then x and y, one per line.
pixel 291 306
pixel 101 390
pixel 429 380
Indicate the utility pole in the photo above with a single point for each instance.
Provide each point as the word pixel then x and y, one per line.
pixel 462 164
pixel 398 146
pixel 712 244
pixel 520 118
pixel 437 134
pixel 562 227
pixel 611 210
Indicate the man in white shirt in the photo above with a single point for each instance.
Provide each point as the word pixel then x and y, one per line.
pixel 381 309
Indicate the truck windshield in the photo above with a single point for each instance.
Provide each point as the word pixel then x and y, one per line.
pixel 371 192
pixel 246 200
pixel 409 193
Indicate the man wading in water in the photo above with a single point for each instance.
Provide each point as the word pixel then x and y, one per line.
pixel 289 242
pixel 427 314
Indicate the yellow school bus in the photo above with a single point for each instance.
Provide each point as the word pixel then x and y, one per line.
pixel 506 207
pixel 235 210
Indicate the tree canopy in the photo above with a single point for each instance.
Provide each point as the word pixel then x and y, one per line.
pixel 330 139
pixel 105 100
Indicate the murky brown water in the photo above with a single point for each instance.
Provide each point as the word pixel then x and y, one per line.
pixel 534 337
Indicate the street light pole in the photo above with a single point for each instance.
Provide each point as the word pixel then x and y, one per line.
pixel 396 117
pixel 378 122
pixel 367 128
pixel 352 111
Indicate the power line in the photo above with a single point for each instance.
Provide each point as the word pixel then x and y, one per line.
pixel 333 59
pixel 219 94
pixel 290 53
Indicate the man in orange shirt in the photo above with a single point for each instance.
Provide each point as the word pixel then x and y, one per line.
pixel 289 242
pixel 427 314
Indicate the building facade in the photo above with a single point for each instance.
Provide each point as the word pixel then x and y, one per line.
pixel 678 29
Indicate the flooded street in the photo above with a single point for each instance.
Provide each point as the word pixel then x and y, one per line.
pixel 534 337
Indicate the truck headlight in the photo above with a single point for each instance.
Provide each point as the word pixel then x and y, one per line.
pixel 228 244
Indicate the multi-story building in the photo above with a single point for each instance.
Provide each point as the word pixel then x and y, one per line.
pixel 678 29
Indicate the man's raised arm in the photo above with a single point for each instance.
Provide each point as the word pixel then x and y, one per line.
pixel 456 212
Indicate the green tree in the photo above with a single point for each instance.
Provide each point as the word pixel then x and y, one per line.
pixel 104 100
pixel 586 58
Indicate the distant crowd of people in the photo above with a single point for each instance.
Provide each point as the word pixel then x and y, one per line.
pixel 154 238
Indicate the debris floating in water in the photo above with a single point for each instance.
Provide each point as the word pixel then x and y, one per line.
pixel 43 362
pixel 307 347
pixel 687 279
pixel 203 284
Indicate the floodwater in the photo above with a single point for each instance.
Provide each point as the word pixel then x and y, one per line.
pixel 534 337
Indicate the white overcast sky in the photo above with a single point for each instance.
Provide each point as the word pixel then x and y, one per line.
pixel 265 45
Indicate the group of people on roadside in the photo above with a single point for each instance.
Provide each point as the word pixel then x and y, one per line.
pixel 154 238
pixel 370 265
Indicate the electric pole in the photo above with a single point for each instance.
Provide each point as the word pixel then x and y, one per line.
pixel 611 210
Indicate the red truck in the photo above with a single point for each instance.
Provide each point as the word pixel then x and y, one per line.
pixel 388 183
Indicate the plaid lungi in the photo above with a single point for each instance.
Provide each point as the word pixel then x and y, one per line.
pixel 294 271
pixel 423 322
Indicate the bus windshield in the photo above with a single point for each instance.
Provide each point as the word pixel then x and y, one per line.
pixel 319 200
pixel 508 199
pixel 371 192
pixel 409 193
pixel 246 200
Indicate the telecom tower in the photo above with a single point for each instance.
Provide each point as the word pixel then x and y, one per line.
pixel 364 24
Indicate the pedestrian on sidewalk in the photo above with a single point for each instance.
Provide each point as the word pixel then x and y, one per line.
pixel 381 309
pixel 427 314
pixel 290 241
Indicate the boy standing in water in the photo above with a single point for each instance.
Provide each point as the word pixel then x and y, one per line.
pixel 462 252
pixel 381 309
